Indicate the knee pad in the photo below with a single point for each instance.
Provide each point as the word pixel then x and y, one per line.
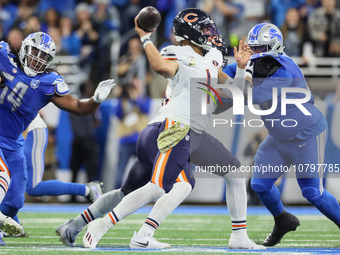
pixel 155 190
pixel 185 187
pixel 257 187
pixel 311 194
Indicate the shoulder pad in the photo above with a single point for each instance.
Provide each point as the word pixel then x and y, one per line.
pixel 61 87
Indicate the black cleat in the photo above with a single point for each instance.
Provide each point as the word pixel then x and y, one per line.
pixel 283 224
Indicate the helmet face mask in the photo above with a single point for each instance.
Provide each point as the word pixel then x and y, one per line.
pixel 196 26
pixel 265 37
pixel 220 44
pixel 36 53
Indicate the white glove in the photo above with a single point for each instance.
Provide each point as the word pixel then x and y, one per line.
pixel 250 69
pixel 103 90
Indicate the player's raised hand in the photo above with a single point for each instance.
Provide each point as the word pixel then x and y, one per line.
pixel 103 90
pixel 242 54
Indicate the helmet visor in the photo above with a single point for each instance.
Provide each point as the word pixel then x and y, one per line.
pixel 36 59
pixel 210 30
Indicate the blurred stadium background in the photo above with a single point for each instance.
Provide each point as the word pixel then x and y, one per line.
pixel 93 41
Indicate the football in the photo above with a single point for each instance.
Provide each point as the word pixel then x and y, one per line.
pixel 149 18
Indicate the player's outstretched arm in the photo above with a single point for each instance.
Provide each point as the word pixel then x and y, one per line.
pixel 166 68
pixel 86 106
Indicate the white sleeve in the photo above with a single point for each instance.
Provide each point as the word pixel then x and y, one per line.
pixel 238 81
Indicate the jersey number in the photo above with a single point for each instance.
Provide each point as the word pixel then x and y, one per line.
pixel 16 95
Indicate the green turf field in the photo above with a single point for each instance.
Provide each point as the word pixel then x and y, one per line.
pixel 181 231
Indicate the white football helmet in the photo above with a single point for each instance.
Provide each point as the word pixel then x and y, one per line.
pixel 265 37
pixel 36 53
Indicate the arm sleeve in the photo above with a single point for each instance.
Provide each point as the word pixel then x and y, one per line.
pixel 238 81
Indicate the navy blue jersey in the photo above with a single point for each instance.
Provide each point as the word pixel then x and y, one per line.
pixel 23 97
pixel 289 75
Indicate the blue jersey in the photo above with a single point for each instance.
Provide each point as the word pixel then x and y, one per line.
pixel 23 97
pixel 289 75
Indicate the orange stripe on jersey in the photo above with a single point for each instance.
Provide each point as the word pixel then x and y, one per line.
pixel 160 180
pixel 4 168
pixel 170 58
pixel 87 216
pixel 153 224
pixel 178 180
pixel 114 222
pixel 239 226
pixel 4 184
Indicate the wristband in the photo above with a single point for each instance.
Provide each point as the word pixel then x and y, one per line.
pixel 145 39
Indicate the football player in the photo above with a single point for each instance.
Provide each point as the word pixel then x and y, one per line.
pixel 36 137
pixel 302 144
pixel 188 24
pixel 29 84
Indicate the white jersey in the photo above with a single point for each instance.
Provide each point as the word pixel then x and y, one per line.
pixel 163 112
pixel 37 122
pixel 187 94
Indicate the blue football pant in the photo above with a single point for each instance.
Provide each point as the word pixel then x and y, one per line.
pixel 15 197
pixel 35 146
pixel 305 155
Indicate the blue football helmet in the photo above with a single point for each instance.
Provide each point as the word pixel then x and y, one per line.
pixel 265 39
pixel 196 26
pixel 36 53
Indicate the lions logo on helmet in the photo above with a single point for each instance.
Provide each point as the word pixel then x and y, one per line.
pixel 265 39
pixel 196 26
pixel 36 53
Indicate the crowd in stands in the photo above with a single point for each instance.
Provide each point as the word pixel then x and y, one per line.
pixel 87 29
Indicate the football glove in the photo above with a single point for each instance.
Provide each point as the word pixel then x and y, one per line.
pixel 103 90
pixel 250 69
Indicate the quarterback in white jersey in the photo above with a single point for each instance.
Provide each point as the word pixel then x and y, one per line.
pixel 197 33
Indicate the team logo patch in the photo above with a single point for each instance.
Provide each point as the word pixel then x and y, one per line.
pixel 191 61
pixel 187 138
pixel 34 84
pixel 215 63
pixel 14 70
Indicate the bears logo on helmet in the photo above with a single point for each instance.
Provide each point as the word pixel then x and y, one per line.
pixel 196 26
